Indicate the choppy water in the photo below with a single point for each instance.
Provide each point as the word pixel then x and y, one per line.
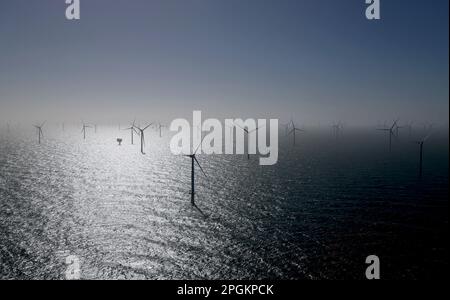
pixel 317 214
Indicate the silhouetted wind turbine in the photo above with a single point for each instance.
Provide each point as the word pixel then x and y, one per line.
pixel 84 130
pixel 193 161
pixel 294 130
pixel 141 130
pixel 132 130
pixel 391 133
pixel 248 132
pixel 39 131
pixel 420 143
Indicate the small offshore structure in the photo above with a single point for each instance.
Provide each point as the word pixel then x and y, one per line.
pixel 119 140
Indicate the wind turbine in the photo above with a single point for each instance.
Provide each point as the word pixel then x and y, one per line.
pixel 390 130
pixel 84 130
pixel 397 127
pixel 39 131
pixel 420 143
pixel 193 161
pixel 132 129
pixel 337 128
pixel 248 132
pixel 160 126
pixel 141 130
pixel 294 130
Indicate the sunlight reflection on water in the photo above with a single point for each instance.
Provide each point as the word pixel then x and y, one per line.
pixel 318 213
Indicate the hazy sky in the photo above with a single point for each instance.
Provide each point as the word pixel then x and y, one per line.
pixel 317 60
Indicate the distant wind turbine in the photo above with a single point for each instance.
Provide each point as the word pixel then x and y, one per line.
pixel 83 131
pixel 160 126
pixel 141 131
pixel 39 131
pixel 337 129
pixel 420 143
pixel 193 161
pixel 132 130
pixel 248 132
pixel 390 130
pixel 294 130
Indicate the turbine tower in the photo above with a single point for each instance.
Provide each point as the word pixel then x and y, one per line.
pixel 193 161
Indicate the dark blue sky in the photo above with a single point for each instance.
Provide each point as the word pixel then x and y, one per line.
pixel 317 60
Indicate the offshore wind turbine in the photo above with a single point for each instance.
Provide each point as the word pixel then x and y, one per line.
pixel 337 128
pixel 248 132
pixel 193 161
pixel 420 143
pixel 397 127
pixel 39 131
pixel 132 130
pixel 83 131
pixel 159 127
pixel 294 130
pixel 141 132
pixel 390 130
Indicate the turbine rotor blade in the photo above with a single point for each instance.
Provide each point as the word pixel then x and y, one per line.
pixel 195 158
pixel 198 147
pixel 395 124
pixel 246 130
pixel 257 128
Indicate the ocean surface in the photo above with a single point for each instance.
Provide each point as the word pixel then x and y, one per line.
pixel 317 214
